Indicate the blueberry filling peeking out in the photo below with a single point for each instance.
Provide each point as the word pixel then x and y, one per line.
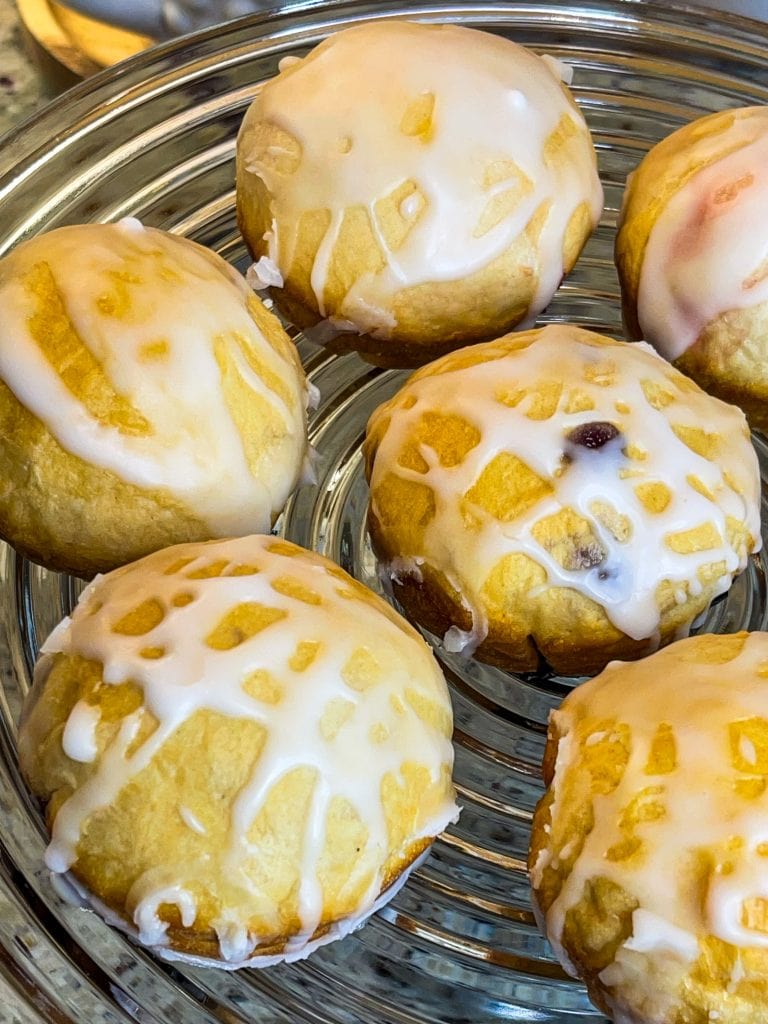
pixel 593 435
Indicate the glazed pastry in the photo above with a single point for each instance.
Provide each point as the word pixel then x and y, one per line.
pixel 146 397
pixel 559 495
pixel 241 750
pixel 692 254
pixel 438 203
pixel 648 856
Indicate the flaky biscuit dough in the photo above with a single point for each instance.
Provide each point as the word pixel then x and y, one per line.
pixel 239 749
pixel 146 397
pixel 648 854
pixel 690 250
pixel 559 494
pixel 415 187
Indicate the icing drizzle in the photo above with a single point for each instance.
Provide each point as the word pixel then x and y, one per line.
pixel 316 608
pixel 708 796
pixel 150 309
pixel 597 423
pixel 462 118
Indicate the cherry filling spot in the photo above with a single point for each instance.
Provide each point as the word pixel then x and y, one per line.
pixel 587 557
pixel 593 435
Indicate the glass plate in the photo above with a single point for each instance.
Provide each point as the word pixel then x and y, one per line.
pixel 155 138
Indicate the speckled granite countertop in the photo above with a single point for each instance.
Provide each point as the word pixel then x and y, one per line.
pixel 22 87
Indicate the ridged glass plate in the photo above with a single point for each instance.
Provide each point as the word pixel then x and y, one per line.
pixel 155 138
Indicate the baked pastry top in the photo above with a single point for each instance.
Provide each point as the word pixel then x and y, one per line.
pixel 146 396
pixel 691 252
pixel 562 494
pixel 648 857
pixel 416 187
pixel 240 750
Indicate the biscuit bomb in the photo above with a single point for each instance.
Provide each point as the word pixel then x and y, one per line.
pixel 692 254
pixel 559 496
pixel 241 751
pixel 649 854
pixel 146 397
pixel 415 188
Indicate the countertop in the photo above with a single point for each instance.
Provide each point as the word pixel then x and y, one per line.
pixel 23 89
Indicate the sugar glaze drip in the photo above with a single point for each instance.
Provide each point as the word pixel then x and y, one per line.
pixel 178 299
pixel 493 107
pixel 191 676
pixel 644 449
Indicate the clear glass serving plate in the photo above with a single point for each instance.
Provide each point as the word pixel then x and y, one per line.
pixel 155 138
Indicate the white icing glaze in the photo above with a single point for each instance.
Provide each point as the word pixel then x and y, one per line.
pixel 699 809
pixel 493 101
pixel 563 72
pixel 79 737
pixel 707 251
pixel 264 273
pixel 651 933
pixel 73 892
pixel 625 582
pixel 179 297
pixel 192 820
pixel 191 676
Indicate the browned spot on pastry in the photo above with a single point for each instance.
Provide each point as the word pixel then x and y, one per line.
pixel 241 623
pixel 176 566
pixel 305 653
pixel 289 586
pixel 336 713
pixel 749 789
pixel 578 401
pixel 507 488
pixel 700 538
pixel 271 147
pixel 698 440
pixel 210 571
pixel 564 130
pixel 748 739
pixel 80 372
pixel 662 757
pixel 142 619
pixel 152 653
pixel 417 121
pixel 618 524
pixel 284 548
pixel 656 395
pixel 503 203
pixel 262 686
pixel 451 437
pixel 605 753
pixel 602 373
pixel 397 214
pixel 654 496
pixel 361 670
pixel 154 350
